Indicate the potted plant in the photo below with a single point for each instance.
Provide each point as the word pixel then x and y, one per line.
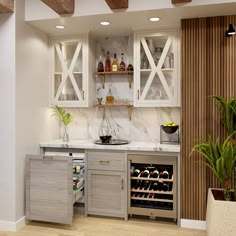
pixel 228 109
pixel 221 159
pixel 65 119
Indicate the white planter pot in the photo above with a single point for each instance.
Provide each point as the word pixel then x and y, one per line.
pixel 221 217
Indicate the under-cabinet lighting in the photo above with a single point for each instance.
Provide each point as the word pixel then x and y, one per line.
pixel 60 26
pixel 104 23
pixel 154 19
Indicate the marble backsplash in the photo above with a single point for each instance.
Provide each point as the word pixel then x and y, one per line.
pixel 143 126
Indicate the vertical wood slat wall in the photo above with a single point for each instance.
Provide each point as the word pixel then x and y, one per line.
pixel 208 67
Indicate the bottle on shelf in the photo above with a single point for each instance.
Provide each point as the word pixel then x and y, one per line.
pixel 157 55
pixel 160 186
pixel 109 97
pixel 115 63
pixel 108 63
pixel 165 187
pixel 137 185
pixel 136 173
pixel 155 174
pixel 145 173
pixel 155 186
pixel 165 174
pixel 146 184
pixel 122 63
pixel 100 65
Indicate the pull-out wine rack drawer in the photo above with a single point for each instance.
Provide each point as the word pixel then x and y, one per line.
pixel 110 161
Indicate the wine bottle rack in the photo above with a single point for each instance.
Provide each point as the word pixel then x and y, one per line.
pixel 143 199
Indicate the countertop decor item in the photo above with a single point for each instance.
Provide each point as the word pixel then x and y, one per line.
pixel 65 119
pixel 170 129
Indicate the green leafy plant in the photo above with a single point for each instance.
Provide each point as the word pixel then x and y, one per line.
pixel 64 117
pixel 220 158
pixel 228 109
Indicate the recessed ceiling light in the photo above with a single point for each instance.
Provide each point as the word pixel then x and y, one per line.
pixel 104 23
pixel 154 19
pixel 60 26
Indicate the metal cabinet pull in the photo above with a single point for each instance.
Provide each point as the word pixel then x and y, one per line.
pixel 138 93
pixel 83 94
pixel 104 162
pixel 49 158
pixel 122 184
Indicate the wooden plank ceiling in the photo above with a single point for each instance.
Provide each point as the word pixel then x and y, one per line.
pixel 6 6
pixel 180 1
pixel 117 4
pixel 61 6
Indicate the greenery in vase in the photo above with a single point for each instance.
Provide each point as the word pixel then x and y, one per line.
pixel 64 117
pixel 228 109
pixel 220 158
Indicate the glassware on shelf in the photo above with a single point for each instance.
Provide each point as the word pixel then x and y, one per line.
pixel 157 55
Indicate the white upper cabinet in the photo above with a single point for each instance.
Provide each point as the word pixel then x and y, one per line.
pixel 156 73
pixel 71 80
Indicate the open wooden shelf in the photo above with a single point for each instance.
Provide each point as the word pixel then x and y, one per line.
pixel 151 199
pixel 126 72
pixel 151 191
pixel 153 179
pixel 103 106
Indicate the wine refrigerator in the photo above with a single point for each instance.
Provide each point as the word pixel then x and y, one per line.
pixel 153 186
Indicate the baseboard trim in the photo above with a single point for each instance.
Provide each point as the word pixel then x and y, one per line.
pixel 193 224
pixel 12 226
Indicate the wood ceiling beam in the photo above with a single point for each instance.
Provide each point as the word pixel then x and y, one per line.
pixel 180 1
pixel 6 6
pixel 61 6
pixel 117 4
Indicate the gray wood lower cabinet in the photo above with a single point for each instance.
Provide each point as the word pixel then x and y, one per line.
pixel 107 183
pixel 49 193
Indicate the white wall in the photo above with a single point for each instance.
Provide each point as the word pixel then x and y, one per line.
pixel 33 122
pixel 7 118
pixel 37 10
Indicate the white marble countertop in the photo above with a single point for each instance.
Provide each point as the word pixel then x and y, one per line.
pixel 131 146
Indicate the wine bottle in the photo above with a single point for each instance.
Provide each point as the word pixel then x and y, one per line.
pixel 115 63
pixel 155 174
pixel 100 65
pixel 108 63
pixel 136 173
pixel 137 185
pixel 122 63
pixel 146 184
pixel 145 173
pixel 165 174
pixel 160 186
pixel 155 186
pixel 165 187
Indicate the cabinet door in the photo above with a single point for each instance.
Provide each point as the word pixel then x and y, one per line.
pixel 156 69
pixel 106 193
pixel 49 189
pixel 69 72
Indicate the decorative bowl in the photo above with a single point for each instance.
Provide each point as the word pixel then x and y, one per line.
pixel 106 138
pixel 170 129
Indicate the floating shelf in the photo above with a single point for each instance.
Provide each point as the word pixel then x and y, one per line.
pixel 103 106
pixel 103 75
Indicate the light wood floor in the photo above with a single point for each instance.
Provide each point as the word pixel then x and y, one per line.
pixel 96 226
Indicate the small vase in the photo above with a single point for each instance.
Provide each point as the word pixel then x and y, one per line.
pixel 65 137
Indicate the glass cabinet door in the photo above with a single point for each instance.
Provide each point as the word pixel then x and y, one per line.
pixel 156 69
pixel 68 69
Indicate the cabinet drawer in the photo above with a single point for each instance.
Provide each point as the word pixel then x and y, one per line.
pixel 106 161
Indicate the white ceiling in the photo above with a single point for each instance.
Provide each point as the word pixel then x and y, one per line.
pixel 123 23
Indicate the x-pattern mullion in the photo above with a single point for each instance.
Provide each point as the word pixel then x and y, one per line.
pixel 156 69
pixel 68 72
